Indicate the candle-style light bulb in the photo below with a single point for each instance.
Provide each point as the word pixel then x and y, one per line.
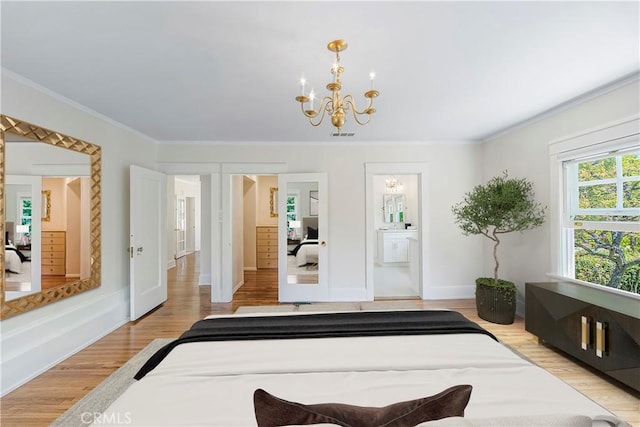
pixel 372 76
pixel 312 96
pixel 303 81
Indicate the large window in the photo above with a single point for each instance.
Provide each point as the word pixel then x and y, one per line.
pixel 602 219
pixel 293 224
pixel 292 207
pixel 24 217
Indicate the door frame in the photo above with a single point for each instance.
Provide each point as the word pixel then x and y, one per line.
pixel 421 170
pixel 210 218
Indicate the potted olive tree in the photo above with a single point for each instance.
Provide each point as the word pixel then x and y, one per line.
pixel 501 206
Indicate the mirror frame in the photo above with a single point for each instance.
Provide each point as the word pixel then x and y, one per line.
pixel 29 302
pixel 273 201
pixel 46 205
pixel 394 197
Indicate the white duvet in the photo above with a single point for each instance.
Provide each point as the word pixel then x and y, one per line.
pixel 212 383
pixel 307 254
pixel 12 262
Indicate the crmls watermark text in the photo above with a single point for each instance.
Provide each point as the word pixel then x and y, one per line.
pixel 113 418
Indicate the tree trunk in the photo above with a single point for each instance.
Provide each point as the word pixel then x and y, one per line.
pixel 495 257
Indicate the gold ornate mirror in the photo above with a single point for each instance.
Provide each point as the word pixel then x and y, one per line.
pixel 12 129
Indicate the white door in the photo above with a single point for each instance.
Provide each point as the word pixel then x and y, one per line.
pixel 191 224
pixel 181 226
pixel 147 242
pixel 302 202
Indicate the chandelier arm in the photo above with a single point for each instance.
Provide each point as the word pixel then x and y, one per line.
pixel 303 110
pixel 323 107
pixel 355 112
pixel 349 99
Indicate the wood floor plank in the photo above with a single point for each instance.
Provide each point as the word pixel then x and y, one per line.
pixel 61 386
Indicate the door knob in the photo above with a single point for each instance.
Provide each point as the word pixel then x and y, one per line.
pixel 323 244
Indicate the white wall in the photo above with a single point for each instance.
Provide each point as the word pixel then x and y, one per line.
pixel 524 152
pixel 454 260
pixel 36 340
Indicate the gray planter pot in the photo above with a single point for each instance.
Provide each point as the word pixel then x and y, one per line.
pixel 496 305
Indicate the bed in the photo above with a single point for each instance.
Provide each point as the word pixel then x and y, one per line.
pixel 13 259
pixel 306 252
pixel 237 369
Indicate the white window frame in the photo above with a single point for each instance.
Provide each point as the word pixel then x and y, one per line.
pixel 573 194
pixel 620 136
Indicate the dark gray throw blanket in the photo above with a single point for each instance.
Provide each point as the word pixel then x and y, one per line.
pixel 295 250
pixel 22 256
pixel 320 325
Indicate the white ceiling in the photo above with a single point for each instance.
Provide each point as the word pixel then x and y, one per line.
pixel 229 71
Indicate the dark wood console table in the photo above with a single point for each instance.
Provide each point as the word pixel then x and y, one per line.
pixel 598 327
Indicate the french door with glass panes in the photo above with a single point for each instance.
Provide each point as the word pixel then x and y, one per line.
pixel 302 241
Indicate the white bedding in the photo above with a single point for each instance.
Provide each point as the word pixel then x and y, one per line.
pixel 307 254
pixel 12 262
pixel 212 383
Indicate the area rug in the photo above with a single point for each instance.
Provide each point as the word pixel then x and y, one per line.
pixel 98 399
pixel 332 307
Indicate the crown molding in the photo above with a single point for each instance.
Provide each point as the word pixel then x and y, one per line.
pixel 580 99
pixel 61 98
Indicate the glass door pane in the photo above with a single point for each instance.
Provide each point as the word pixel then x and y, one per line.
pixel 303 237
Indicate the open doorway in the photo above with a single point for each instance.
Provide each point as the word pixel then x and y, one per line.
pixel 254 225
pixel 396 224
pixel 185 214
pixel 396 230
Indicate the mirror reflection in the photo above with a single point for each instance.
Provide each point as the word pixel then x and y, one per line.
pixel 22 235
pixel 50 195
pixel 51 252
pixel 302 233
pixel 394 207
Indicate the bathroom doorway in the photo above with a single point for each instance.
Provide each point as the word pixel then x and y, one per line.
pixel 395 230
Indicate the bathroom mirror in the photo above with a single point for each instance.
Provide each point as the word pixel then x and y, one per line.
pixel 27 150
pixel 394 208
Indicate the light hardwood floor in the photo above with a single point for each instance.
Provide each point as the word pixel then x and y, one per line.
pixel 43 399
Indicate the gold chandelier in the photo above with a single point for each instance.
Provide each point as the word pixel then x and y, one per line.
pixel 334 105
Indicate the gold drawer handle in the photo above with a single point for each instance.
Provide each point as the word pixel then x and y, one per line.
pixel 585 339
pixel 601 339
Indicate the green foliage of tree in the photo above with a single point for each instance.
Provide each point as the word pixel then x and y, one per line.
pixel 606 257
pixel 609 258
pixel 502 205
pixel 631 165
pixel 598 169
